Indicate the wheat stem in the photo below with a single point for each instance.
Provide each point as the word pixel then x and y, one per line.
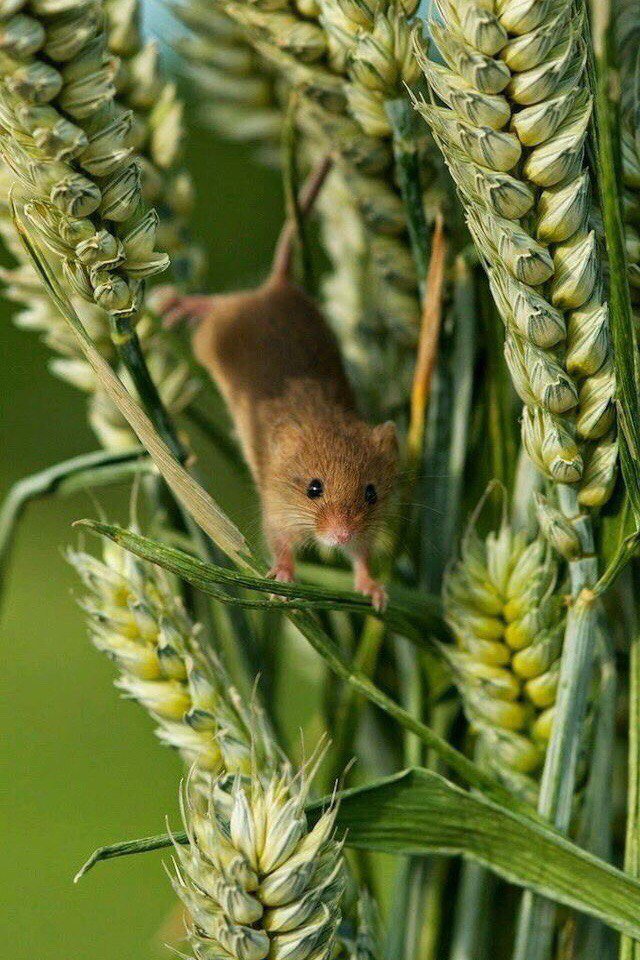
pixel 427 346
pixel 596 817
pixel 403 123
pixel 537 915
pixel 630 949
pixel 127 344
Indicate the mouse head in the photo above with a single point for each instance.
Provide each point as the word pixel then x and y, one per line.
pixel 332 484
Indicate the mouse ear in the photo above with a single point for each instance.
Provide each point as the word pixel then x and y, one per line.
pixel 385 437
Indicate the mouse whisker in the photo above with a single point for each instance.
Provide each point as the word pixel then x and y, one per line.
pixel 425 506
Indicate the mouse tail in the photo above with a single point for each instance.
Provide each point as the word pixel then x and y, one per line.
pixel 175 308
pixel 283 256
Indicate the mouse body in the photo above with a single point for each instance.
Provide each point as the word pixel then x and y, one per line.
pixel 321 472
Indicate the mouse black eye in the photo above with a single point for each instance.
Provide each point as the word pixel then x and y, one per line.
pixel 315 489
pixel 370 494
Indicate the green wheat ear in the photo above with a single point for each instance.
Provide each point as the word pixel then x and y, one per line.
pixel 256 879
pixel 504 605
pixel 70 170
pixel 512 126
pixel 137 620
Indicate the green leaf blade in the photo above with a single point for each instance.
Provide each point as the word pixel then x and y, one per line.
pixel 419 812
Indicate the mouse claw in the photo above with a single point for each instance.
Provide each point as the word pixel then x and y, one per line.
pixel 282 573
pixel 375 591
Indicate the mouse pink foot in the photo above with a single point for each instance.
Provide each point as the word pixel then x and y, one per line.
pixel 282 572
pixel 371 588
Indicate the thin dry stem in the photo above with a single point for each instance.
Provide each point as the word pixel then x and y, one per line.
pixel 428 344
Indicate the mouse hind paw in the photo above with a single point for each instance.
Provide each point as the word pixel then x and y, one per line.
pixel 378 596
pixel 371 588
pixel 174 307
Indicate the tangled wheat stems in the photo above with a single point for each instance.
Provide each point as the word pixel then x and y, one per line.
pixel 169 684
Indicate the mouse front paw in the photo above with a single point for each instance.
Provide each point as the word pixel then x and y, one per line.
pixel 281 572
pixel 374 590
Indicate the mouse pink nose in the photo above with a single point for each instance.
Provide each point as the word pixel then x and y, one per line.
pixel 340 534
pixel 335 532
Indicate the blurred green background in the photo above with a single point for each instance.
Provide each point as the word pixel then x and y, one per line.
pixel 80 767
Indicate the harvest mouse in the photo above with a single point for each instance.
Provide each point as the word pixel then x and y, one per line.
pixel 322 473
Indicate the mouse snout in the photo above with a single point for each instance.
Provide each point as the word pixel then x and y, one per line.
pixel 338 535
pixel 335 529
